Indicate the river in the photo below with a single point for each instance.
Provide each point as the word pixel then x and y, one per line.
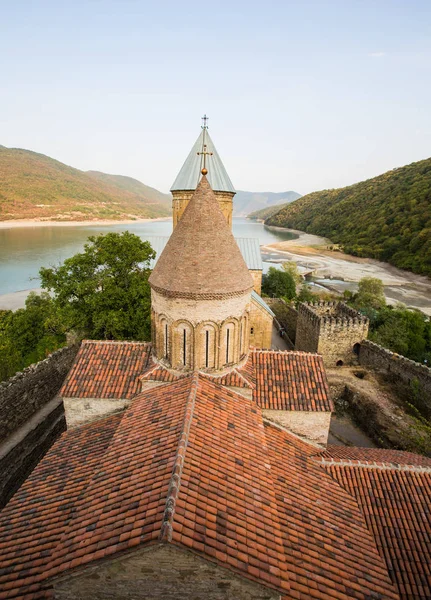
pixel 23 250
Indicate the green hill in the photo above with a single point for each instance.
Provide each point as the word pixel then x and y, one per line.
pixel 387 217
pixel 246 202
pixel 36 186
pixel 265 213
pixel 134 186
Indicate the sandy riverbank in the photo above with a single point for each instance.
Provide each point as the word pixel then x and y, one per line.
pixel 15 300
pixel 312 253
pixel 98 222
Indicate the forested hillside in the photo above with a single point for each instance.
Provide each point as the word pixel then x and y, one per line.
pixel 134 186
pixel 387 217
pixel 35 186
pixel 265 213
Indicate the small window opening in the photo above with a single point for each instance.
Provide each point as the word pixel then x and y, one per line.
pixel 227 346
pixel 166 340
pixel 252 330
pixel 184 346
pixel 340 363
pixel 207 345
pixel 240 339
pixel 356 348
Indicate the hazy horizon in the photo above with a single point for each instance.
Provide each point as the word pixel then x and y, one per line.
pixel 301 96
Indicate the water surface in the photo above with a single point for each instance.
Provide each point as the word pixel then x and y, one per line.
pixel 23 251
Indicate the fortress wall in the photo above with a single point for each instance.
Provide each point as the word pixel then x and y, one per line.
pixel 332 329
pixel 307 329
pixel 338 337
pixel 25 393
pixel 376 357
pixel 31 418
pixel 286 315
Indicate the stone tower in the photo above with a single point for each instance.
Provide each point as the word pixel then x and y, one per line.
pixel 190 174
pixel 332 329
pixel 201 291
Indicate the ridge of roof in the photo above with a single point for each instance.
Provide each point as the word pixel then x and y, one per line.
pixel 174 486
pixel 190 173
pixel 383 466
pixel 201 259
pixel 383 458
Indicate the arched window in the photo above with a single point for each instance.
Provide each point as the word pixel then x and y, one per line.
pixel 207 347
pixel 183 346
pixel 163 339
pixel 229 349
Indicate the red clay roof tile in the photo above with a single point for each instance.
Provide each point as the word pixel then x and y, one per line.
pixel 189 463
pixel 396 507
pixel 290 381
pixel 105 369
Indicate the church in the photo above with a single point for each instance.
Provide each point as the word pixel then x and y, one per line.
pixel 197 466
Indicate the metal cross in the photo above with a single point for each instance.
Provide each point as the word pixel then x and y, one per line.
pixel 205 119
pixel 205 153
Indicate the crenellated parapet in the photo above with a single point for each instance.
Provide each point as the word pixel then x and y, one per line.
pixel 331 328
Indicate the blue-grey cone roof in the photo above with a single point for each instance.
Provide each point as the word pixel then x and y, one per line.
pixel 190 174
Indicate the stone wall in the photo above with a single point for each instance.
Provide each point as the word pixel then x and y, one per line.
pixel 373 356
pixel 286 315
pixel 25 393
pixel 311 425
pixel 164 572
pixel 181 198
pixel 31 417
pixel 307 329
pixel 260 327
pixel 256 275
pixel 332 329
pixel 80 411
pixel 200 334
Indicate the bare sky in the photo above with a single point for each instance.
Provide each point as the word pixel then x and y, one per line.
pixel 301 95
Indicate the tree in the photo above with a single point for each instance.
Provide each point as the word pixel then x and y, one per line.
pixel 291 267
pixel 29 334
pixel 103 292
pixel 279 284
pixel 404 331
pixel 370 294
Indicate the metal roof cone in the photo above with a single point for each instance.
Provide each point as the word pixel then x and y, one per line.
pixel 191 171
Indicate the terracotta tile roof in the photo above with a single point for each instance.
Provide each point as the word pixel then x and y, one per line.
pixel 188 463
pixel 396 507
pixel 158 373
pixel 32 524
pixel 104 369
pixel 378 456
pixel 290 381
pixel 201 258
pixel 280 380
pixel 329 550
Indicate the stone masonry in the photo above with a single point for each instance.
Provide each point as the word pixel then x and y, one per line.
pixel 332 329
pixel 260 326
pixel 31 417
pixel 181 198
pixel 163 572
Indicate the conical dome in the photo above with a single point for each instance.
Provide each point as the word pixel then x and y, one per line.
pixel 202 258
